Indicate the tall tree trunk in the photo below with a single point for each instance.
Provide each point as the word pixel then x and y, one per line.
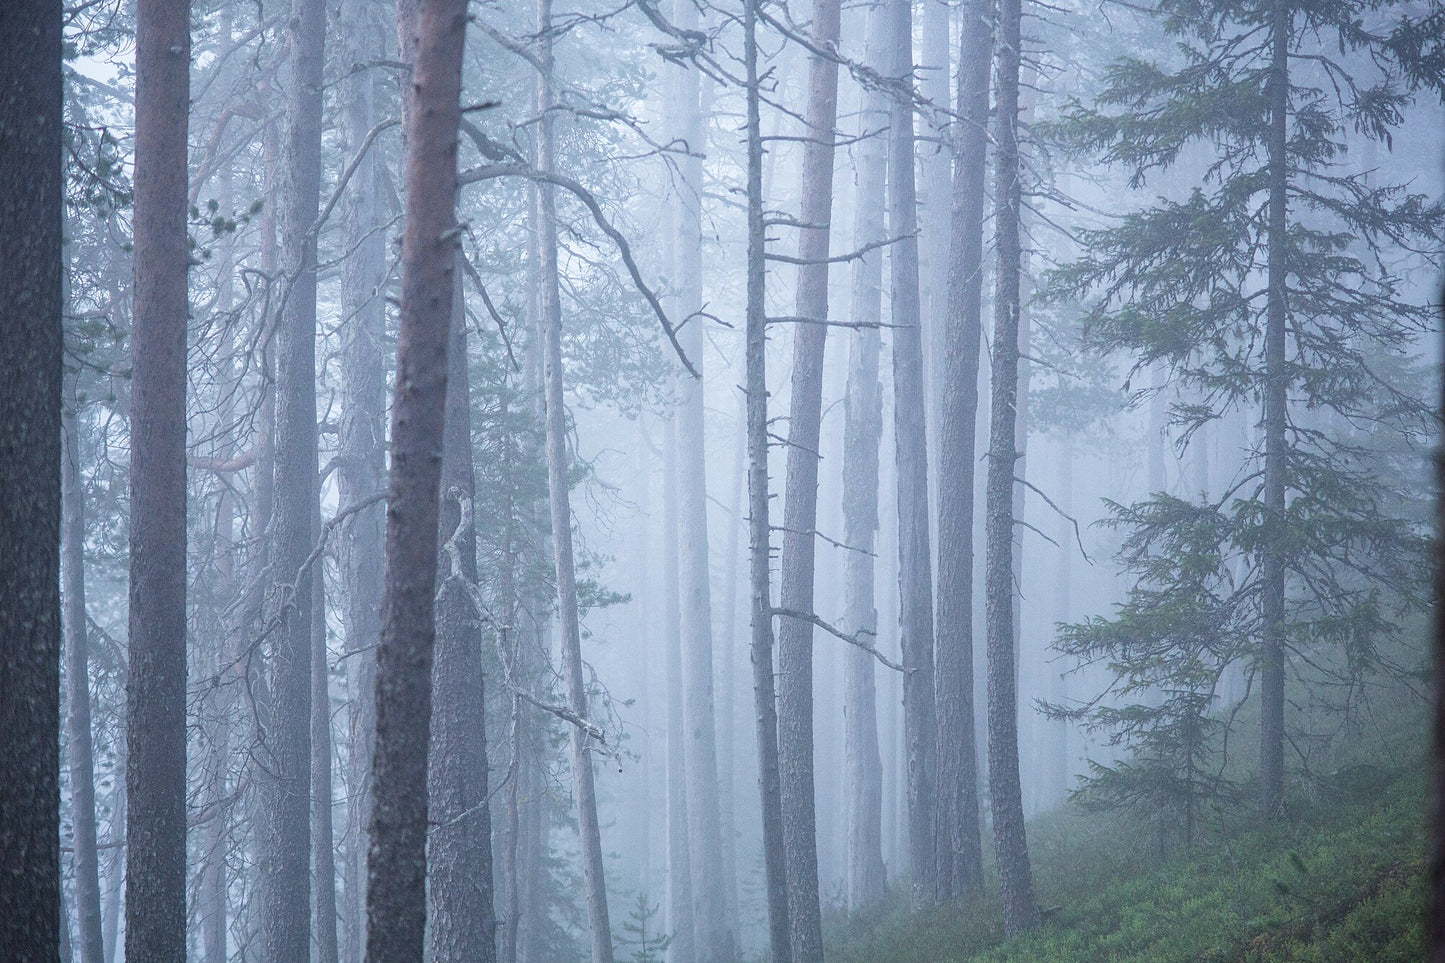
pixel 681 908
pixel 935 165
pixel 800 504
pixel 862 436
pixel 1005 793
pixel 462 921
pixel 715 941
pixel 910 439
pixel 362 437
pixel 285 851
pixel 1435 869
pixel 77 676
pixel 759 548
pixel 396 868
pixel 31 311
pixel 156 691
pixel 561 509
pixel 323 846
pixel 727 657
pixel 960 852
pixel 1276 389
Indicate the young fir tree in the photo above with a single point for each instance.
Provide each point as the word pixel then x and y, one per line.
pixel 1273 287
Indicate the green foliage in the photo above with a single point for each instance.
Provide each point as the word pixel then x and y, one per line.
pixel 644 936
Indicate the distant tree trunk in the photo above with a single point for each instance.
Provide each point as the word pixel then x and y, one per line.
pixel 561 508
pixel 727 731
pixel 362 437
pixel 156 692
pixel 681 908
pixel 1435 895
pixel 800 504
pixel 1006 797
pixel 960 852
pixel 323 845
pixel 462 921
pixel 759 548
pixel 285 851
pixel 910 439
pixel 396 868
pixel 1272 660
pixel 862 436
pixel 935 165
pixel 31 312
pixel 77 677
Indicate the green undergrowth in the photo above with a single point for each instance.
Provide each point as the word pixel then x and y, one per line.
pixel 1338 878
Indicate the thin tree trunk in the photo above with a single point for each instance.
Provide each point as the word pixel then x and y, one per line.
pixel 1005 793
pixel 599 925
pixel 79 745
pixel 681 907
pixel 1271 774
pixel 960 852
pixel 462 921
pixel 32 307
pixel 800 504
pixel 285 851
pixel 156 691
pixel 360 468
pixel 323 846
pixel 862 437
pixel 727 730
pixel 396 869
pixel 1435 868
pixel 759 548
pixel 910 439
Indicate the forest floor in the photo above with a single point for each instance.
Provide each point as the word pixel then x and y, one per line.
pixel 1339 878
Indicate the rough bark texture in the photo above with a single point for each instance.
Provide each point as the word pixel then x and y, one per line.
pixel 681 914
pixel 1276 377
pixel 79 743
pixel 324 947
pixel 599 925
pixel 1005 794
pixel 1435 895
pixel 915 575
pixel 759 551
pixel 362 438
pixel 155 909
pixel 462 924
pixel 862 436
pixel 31 307
pixel 284 852
pixel 960 854
pixel 800 504
pixel 396 868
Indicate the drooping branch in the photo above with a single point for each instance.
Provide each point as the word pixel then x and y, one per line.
pixel 838 633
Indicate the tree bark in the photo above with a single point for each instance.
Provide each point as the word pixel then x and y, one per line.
pixel 156 689
pixel 1435 868
pixel 462 923
pixel 960 852
pixel 862 437
pixel 1276 389
pixel 800 504
pixel 681 907
pixel 31 312
pixel 396 868
pixel 911 452
pixel 362 436
pixel 599 925
pixel 759 548
pixel 323 844
pixel 1005 793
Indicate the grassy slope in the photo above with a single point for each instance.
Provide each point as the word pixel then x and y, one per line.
pixel 1341 879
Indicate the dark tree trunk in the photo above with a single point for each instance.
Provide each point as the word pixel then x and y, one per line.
pixel 599 925
pixel 800 504
pixel 960 853
pixel 1005 793
pixel 1276 377
pixel 77 676
pixel 862 437
pixel 396 867
pixel 910 439
pixel 362 437
pixel 759 549
pixel 462 923
pixel 285 851
pixel 155 909
pixel 1435 896
pixel 31 308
